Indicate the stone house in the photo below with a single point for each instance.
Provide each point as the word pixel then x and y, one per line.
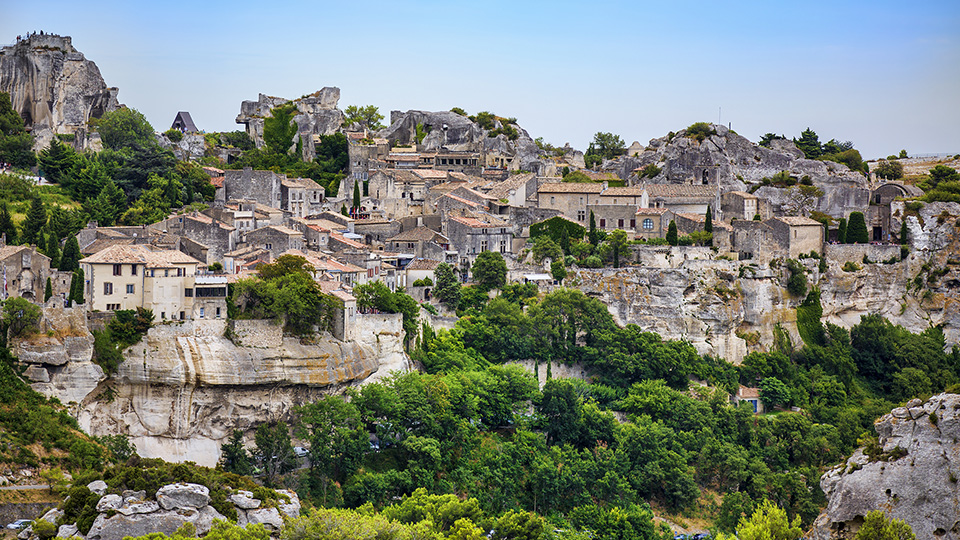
pixel 301 196
pixel 366 154
pixel 275 239
pixel 450 203
pixel 375 231
pixel 419 269
pixel 878 213
pixel 247 257
pixel 652 222
pixel 24 272
pixel 264 187
pixel 246 214
pixel 610 217
pixel 416 241
pixel 516 190
pixel 794 235
pixel 750 395
pixel 739 205
pixel 327 267
pixel 481 232
pixel 214 235
pixel 340 242
pixel 128 277
pixel 687 198
pixel 378 265
pixel 570 199
pixel 210 296
pixel 689 223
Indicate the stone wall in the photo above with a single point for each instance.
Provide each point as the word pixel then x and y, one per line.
pixel 841 253
pixel 256 333
pixel 10 512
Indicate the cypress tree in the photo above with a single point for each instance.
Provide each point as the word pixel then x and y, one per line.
pixel 903 232
pixel 76 288
pixel 708 222
pixel 343 210
pixel 6 225
pixel 47 291
pixel 857 229
pixel 70 260
pixel 842 231
pixel 672 233
pixel 36 219
pixel 593 230
pixel 52 250
pixel 356 194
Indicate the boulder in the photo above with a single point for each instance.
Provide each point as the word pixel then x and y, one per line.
pixel 135 506
pixel 266 516
pixel 111 501
pixel 183 495
pixel 66 531
pixel 130 494
pixel 37 374
pixel 120 525
pixel 245 500
pixel 99 487
pixel 205 518
pixel 915 481
pixel 291 509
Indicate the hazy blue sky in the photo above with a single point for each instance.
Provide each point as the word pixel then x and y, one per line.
pixel 883 74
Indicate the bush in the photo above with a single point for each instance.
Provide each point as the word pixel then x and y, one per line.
pixel 699 131
pixel 175 135
pixel 797 283
pixel 425 282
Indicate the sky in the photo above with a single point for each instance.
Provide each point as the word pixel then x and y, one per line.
pixel 884 75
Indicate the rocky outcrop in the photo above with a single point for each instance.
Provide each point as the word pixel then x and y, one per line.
pixel 54 87
pixel 914 478
pixel 317 114
pixel 183 389
pixel 449 131
pixel 191 147
pixel 735 164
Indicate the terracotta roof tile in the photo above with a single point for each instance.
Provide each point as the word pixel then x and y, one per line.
pixel 139 254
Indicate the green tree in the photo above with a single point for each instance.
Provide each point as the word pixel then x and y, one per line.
pixel 447 289
pixel 70 259
pixel 700 131
pixel 52 249
pixel 857 229
pixel 672 233
pixel 544 246
pixel 76 287
pixel 809 143
pixel 337 442
pixel 356 194
pixel 577 177
pixel 617 240
pixel 842 231
pixel 368 117
pixel 279 129
pixel 47 291
pixel 876 526
pixel 708 221
pixel 606 145
pixel 33 225
pixel 20 316
pixel 274 451
pixel 889 170
pixel 558 270
pixel 942 173
pixel 593 234
pixel 16 144
pixel 108 205
pixel 797 282
pixel 904 233
pixel 234 457
pixel 7 228
pixel 59 161
pixel 769 522
pixel 767 138
pixel 489 271
pixel 773 392
pixel 125 128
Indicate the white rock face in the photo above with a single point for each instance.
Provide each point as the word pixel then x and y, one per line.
pixel 266 516
pixel 244 500
pixel 920 487
pixel 183 495
pixel 109 502
pixel 291 509
pixel 98 487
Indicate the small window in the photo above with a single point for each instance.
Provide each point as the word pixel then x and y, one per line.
pixel 603 223
pixel 108 288
pixel 483 245
pixel 130 288
pixel 116 269
pixel 633 224
pixel 163 315
pixel 581 215
pixel 648 224
pixel 218 312
pixel 201 313
pixel 133 269
pixel 166 272
pixel 619 223
pixel 268 246
pixel 183 315
pixel 188 293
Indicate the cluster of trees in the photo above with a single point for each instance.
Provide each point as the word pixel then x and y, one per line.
pixel 942 184
pixel 853 230
pixel 832 150
pixel 16 144
pixel 604 146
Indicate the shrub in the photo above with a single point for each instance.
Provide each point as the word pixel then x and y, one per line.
pixel 699 131
pixel 851 266
pixel 650 171
pixel 797 283
pixel 175 135
pixel 425 282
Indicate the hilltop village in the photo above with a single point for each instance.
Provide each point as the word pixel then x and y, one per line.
pixel 694 326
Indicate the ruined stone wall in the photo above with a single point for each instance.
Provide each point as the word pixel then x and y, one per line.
pixel 257 333
pixel 841 253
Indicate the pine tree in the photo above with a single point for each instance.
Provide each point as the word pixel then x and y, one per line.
pixel 52 250
pixel 903 232
pixel 36 220
pixel 70 259
pixel 594 238
pixel 842 231
pixel 76 288
pixel 809 143
pixel 672 233
pixel 6 225
pixel 857 229
pixel 356 194
pixel 708 222
pixel 47 290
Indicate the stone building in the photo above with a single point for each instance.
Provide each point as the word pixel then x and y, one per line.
pixel 301 196
pixel 417 241
pixel 689 223
pixel 652 223
pixel 610 217
pixel 209 238
pixel 739 205
pixel 128 277
pixel 688 198
pixel 570 199
pixel 375 231
pixel 786 237
pixel 24 272
pixel 478 233
pixel 878 213
pixel 210 296
pixel 263 187
pixel 275 239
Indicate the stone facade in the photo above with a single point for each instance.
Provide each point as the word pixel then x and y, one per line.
pixel 275 239
pixel 473 236
pixel 264 187
pixel 24 272
pixel 216 236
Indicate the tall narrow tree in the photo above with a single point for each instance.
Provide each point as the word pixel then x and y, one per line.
pixel 672 238
pixel 70 259
pixel 52 250
pixel 857 229
pixel 47 290
pixel 356 194
pixel 593 236
pixel 708 221
pixel 76 288
pixel 36 220
pixel 842 231
pixel 904 232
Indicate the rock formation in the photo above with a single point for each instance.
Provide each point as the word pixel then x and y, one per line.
pixel 913 479
pixel 182 389
pixel 452 132
pixel 191 147
pixel 54 87
pixel 317 114
pixel 735 164
pixel 133 514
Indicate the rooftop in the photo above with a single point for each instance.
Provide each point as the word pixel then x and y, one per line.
pixel 139 254
pixel 419 234
pixel 423 264
pixel 571 187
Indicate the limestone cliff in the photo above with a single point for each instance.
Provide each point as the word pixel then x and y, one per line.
pixel 913 479
pixel 735 164
pixel 317 114
pixel 54 87
pixel 182 389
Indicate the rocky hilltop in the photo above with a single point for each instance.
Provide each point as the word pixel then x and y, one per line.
pixel 449 131
pixel 54 87
pixel 317 114
pixel 912 475
pixel 735 163
pixel 182 389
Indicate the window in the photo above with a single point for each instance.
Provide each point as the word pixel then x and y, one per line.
pixel 108 288
pixel 553 200
pixel 218 312
pixel 619 223
pixel 483 245
pixel 116 269
pixel 130 288
pixel 268 246
pixel 503 246
pixel 166 272
pixel 163 315
pixel 877 199
pixel 648 224
pixel 188 293
pixel 581 215
pixel 183 315
pixel 179 272
pixel 133 269
pixel 633 224
pixel 603 223
pixel 201 313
